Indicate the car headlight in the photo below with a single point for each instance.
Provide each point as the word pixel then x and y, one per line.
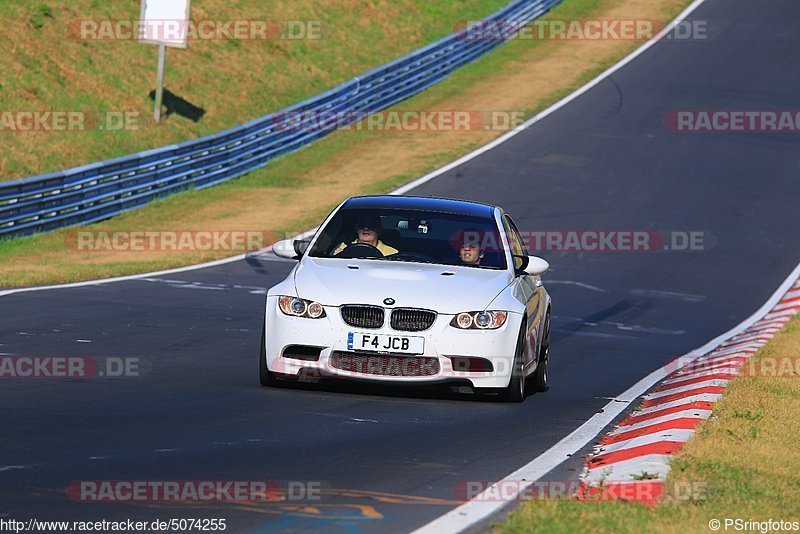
pixel 479 320
pixel 297 307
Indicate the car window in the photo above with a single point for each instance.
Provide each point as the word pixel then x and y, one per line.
pixel 410 235
pixel 516 235
pixel 514 241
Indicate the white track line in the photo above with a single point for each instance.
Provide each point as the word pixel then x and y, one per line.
pixel 123 278
pixel 188 268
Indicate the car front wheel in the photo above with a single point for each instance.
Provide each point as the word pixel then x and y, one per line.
pixel 515 391
pixel 264 374
pixel 539 382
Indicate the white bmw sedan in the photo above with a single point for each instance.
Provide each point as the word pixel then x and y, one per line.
pixel 411 290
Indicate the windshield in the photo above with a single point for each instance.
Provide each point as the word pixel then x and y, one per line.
pixel 413 236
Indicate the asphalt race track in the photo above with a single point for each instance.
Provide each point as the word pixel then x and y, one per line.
pixel 389 460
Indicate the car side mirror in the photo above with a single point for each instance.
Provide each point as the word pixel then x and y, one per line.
pixel 285 249
pixel 532 265
pixel 535 266
pixel 301 245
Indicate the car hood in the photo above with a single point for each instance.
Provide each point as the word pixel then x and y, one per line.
pixel 334 282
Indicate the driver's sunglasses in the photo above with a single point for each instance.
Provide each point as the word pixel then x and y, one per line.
pixel 365 226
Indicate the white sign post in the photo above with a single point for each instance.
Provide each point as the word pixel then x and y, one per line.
pixel 164 23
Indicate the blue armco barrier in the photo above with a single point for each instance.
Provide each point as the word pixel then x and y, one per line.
pixel 101 190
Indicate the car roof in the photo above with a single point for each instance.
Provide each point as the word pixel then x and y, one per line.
pixel 441 205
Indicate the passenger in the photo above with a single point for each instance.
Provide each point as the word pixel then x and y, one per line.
pixel 368 231
pixel 469 249
pixel 470 254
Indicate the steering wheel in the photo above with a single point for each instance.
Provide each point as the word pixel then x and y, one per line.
pixel 360 250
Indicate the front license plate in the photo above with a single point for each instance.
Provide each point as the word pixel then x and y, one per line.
pixel 385 343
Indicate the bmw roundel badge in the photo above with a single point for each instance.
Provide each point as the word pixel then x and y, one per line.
pixel 388 301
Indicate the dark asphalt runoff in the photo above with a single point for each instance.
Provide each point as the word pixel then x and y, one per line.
pixel 389 460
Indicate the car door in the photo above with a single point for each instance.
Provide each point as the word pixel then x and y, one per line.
pixel 531 290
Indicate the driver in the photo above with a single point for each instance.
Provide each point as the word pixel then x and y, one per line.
pixel 368 231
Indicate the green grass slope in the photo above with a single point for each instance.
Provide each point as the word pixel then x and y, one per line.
pixel 47 67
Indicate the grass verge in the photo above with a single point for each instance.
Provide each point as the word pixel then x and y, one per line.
pixel 744 460
pixel 294 192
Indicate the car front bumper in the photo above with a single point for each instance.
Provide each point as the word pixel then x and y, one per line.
pixel 442 342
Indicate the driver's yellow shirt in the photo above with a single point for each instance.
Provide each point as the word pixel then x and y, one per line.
pixel 385 249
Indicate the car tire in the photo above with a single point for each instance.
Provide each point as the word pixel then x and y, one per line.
pixel 515 391
pixel 539 381
pixel 264 374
